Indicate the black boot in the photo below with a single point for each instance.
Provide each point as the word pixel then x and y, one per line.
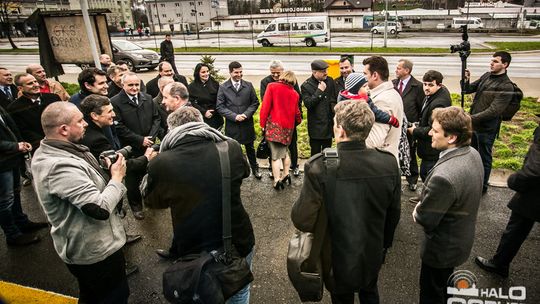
pixel 256 173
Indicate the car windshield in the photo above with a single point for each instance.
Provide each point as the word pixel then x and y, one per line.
pixel 126 45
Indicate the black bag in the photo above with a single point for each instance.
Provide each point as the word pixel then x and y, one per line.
pixel 514 104
pixel 210 278
pixel 263 150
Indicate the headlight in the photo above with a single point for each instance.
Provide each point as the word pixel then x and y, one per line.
pixel 139 56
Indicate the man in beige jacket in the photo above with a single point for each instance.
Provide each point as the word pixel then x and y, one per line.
pixel 386 98
pixel 47 85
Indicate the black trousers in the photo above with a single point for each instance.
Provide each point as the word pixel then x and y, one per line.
pixel 250 151
pixel 369 295
pixel 516 232
pixel 133 180
pixel 317 145
pixel 433 283
pixel 413 178
pixel 103 282
pixel 293 149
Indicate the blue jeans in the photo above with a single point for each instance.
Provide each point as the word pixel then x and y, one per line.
pixel 483 143
pixel 242 297
pixel 11 214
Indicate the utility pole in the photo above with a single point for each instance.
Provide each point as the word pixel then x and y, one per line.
pixel 196 18
pixel 385 21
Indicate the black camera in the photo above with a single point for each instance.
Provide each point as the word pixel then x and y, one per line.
pixel 156 147
pixel 464 46
pixel 113 156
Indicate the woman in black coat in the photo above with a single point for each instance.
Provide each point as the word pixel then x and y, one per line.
pixel 203 95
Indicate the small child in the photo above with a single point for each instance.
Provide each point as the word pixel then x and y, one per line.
pixel 353 83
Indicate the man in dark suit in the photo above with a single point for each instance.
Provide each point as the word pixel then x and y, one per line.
pixel 26 110
pixel 412 95
pixel 525 211
pixel 437 96
pixel 237 102
pixel 8 91
pixel 166 50
pixel 14 222
pixel 138 124
pixel 449 203
pixel 345 68
pixel 165 70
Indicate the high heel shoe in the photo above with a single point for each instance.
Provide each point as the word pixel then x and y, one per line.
pixel 279 185
pixel 286 179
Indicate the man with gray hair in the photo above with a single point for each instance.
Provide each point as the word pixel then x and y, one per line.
pixel 175 96
pixel 369 186
pixel 194 193
pixel 80 201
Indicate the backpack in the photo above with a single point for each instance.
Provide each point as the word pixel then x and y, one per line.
pixel 514 104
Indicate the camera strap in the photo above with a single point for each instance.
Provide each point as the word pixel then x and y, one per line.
pixel 223 151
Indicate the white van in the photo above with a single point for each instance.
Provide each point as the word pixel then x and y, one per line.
pixel 308 30
pixel 471 22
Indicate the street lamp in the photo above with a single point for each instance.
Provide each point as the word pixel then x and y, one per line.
pixel 196 18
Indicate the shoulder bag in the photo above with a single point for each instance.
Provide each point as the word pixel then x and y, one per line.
pixel 210 277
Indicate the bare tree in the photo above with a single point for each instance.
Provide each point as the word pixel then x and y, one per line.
pixel 4 19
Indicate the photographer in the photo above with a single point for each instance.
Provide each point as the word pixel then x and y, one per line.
pixel 101 136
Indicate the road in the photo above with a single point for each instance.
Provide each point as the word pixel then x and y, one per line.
pixel 39 266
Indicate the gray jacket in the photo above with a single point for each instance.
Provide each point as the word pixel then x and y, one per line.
pixel 449 206
pixel 64 183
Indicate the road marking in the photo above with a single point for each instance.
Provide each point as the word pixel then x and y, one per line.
pixel 17 294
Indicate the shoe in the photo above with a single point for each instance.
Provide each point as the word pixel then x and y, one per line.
pixel 279 185
pixel 412 187
pixel 121 213
pixel 414 200
pixel 23 240
pixel 132 238
pixel 139 215
pixel 131 269
pixel 296 171
pixel 286 179
pixel 166 254
pixel 256 173
pixel 488 265
pixel 32 226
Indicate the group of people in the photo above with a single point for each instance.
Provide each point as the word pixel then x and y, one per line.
pixel 379 127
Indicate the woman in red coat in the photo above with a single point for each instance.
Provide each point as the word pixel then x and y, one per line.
pixel 279 113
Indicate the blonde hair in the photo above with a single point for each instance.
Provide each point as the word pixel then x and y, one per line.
pixel 288 77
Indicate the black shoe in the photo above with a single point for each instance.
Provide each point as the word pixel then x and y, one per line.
pixel 32 226
pixel 23 240
pixel 256 173
pixel 139 215
pixel 279 185
pixel 131 269
pixel 166 254
pixel 414 200
pixel 412 187
pixel 132 238
pixel 296 171
pixel 286 179
pixel 488 265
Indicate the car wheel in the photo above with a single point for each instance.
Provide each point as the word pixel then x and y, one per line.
pixel 130 64
pixel 265 43
pixel 392 32
pixel 310 42
pixel 374 31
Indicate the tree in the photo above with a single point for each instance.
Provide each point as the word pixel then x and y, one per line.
pixel 4 20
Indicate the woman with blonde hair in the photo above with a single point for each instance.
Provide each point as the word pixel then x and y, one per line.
pixel 279 113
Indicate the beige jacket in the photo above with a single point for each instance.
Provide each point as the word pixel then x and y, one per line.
pixel 384 136
pixel 58 89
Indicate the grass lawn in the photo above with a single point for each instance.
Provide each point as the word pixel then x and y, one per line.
pixel 516 46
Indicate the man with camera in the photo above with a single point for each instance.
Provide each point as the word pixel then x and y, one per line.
pixel 494 91
pixel 80 201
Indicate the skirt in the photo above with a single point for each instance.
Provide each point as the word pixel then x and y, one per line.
pixel 277 150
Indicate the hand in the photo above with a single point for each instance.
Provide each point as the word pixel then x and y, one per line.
pixel 467 75
pixel 411 129
pixel 209 114
pixel 118 169
pixel 322 86
pixel 240 117
pixel 24 147
pixel 147 142
pixel 150 153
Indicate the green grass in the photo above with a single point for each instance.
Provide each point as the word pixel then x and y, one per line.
pixel 71 88
pixel 516 46
pixel 318 49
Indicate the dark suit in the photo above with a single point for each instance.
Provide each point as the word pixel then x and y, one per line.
pixel 231 103
pixel 413 97
pixel 27 116
pixel 4 100
pixel 152 87
pixel 429 155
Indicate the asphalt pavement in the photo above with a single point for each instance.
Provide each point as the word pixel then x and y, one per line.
pixel 39 266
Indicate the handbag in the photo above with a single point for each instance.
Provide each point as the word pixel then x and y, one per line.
pixel 304 265
pixel 210 277
pixel 28 165
pixel 263 149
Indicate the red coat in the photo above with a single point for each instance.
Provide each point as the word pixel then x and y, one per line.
pixel 281 103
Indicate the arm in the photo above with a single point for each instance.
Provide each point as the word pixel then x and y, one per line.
pixel 59 90
pixel 156 130
pixel 221 105
pixel 265 108
pixel 439 196
pixel 528 178
pixel 501 99
pixel 379 131
pixel 254 103
pixel 310 99
pixel 306 209
pixel 298 114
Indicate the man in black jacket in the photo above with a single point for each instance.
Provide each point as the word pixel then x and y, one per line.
pixel 13 221
pixel 365 209
pixel 412 94
pixel 194 193
pixel 91 81
pixel 166 50
pixel 525 211
pixel 138 124
pixel 494 91
pixel 165 70
pixel 8 91
pixel 319 97
pixel 437 96
pixel 26 110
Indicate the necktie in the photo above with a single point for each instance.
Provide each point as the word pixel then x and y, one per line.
pixel 424 104
pixel 400 87
pixel 8 93
pixel 237 85
pixel 135 100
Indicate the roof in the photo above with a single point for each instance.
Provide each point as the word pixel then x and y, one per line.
pixel 353 4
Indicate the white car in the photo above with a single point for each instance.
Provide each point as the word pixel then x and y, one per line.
pixel 393 28
pixel 206 30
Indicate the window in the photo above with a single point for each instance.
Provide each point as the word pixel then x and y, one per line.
pixel 217 23
pixel 201 14
pixel 264 21
pixel 162 5
pixel 193 14
pixel 299 26
pixel 316 25
pixel 192 3
pixel 178 15
pixel 416 21
pixel 200 3
pixel 270 28
pixel 177 4
pixel 348 20
pixel 284 27
pixel 164 15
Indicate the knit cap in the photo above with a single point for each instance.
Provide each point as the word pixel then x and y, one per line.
pixel 354 82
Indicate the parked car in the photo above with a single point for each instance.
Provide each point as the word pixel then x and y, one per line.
pixel 206 30
pixel 392 28
pixel 136 57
